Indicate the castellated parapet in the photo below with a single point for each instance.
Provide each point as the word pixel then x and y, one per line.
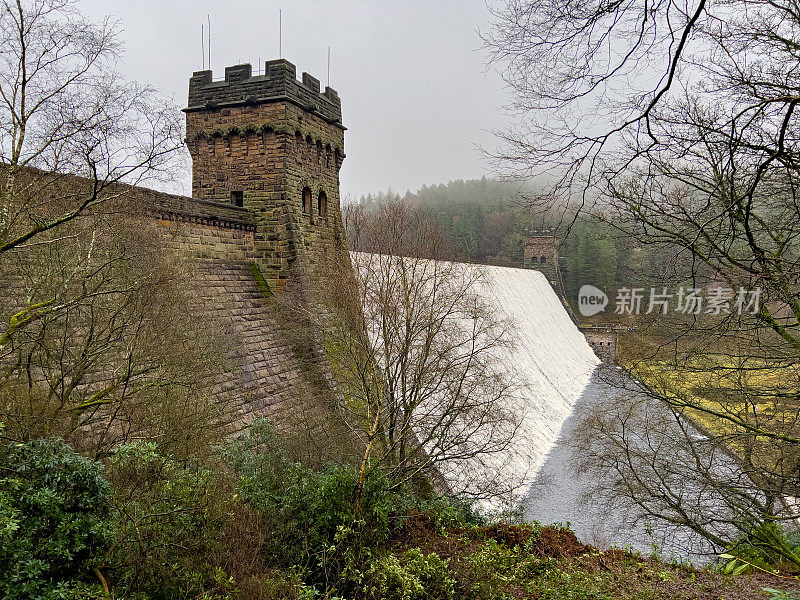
pixel 274 146
pixel 278 84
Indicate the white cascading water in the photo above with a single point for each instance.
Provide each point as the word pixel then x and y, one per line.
pixel 550 356
pixel 550 360
pixel 558 372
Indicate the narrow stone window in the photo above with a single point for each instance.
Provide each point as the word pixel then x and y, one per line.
pixel 237 198
pixel 306 201
pixel 543 259
pixel 534 260
pixel 322 204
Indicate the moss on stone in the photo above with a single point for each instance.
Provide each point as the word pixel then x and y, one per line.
pixel 262 284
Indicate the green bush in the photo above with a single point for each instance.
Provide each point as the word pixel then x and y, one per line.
pixel 766 547
pixel 451 511
pixel 309 513
pixel 169 518
pixel 782 594
pixel 413 576
pixel 54 521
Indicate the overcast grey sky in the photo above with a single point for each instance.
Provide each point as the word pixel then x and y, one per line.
pixel 416 97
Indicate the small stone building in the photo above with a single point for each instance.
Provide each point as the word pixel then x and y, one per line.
pixel 603 340
pixel 541 253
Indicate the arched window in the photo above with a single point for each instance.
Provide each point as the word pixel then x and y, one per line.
pixel 322 204
pixel 534 260
pixel 306 201
pixel 542 259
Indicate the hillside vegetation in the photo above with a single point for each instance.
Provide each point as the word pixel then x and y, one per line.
pixel 249 522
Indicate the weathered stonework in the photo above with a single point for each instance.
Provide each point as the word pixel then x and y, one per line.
pixel 270 138
pixel 541 253
pixel 603 340
pixel 266 153
pixel 262 141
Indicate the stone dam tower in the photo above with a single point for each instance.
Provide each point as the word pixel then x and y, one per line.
pixel 541 254
pixel 271 145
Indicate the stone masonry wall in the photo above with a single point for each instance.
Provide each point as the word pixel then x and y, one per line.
pixel 205 241
pixel 271 146
pixel 541 253
pixel 264 375
pixel 603 341
pixel 269 138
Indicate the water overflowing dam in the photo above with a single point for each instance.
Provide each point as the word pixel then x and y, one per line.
pixel 560 386
pixel 565 385
pixel 549 355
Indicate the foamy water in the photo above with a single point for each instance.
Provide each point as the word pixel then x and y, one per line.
pixel 551 362
pixel 550 355
pixel 559 387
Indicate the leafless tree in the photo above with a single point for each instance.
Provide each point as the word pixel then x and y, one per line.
pixel 93 346
pixel 109 353
pixel 418 359
pixel 653 466
pixel 692 146
pixel 64 108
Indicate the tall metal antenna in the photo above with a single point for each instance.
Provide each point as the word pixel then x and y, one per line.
pixel 329 66
pixel 209 41
pixel 280 33
pixel 203 44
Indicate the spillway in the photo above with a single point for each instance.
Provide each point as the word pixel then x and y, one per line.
pixel 564 384
pixel 549 360
pixel 550 356
pixel 560 385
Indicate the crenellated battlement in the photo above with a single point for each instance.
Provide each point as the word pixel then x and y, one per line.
pixel 278 83
pixel 272 145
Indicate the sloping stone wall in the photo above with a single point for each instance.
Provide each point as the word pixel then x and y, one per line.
pixel 265 376
pixel 269 369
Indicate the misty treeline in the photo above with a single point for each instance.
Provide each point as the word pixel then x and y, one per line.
pixel 675 123
pixel 484 221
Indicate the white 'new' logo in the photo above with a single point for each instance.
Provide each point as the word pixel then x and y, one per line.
pixel 591 300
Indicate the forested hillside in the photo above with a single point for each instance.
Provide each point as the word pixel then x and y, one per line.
pixel 485 221
pixel 483 218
